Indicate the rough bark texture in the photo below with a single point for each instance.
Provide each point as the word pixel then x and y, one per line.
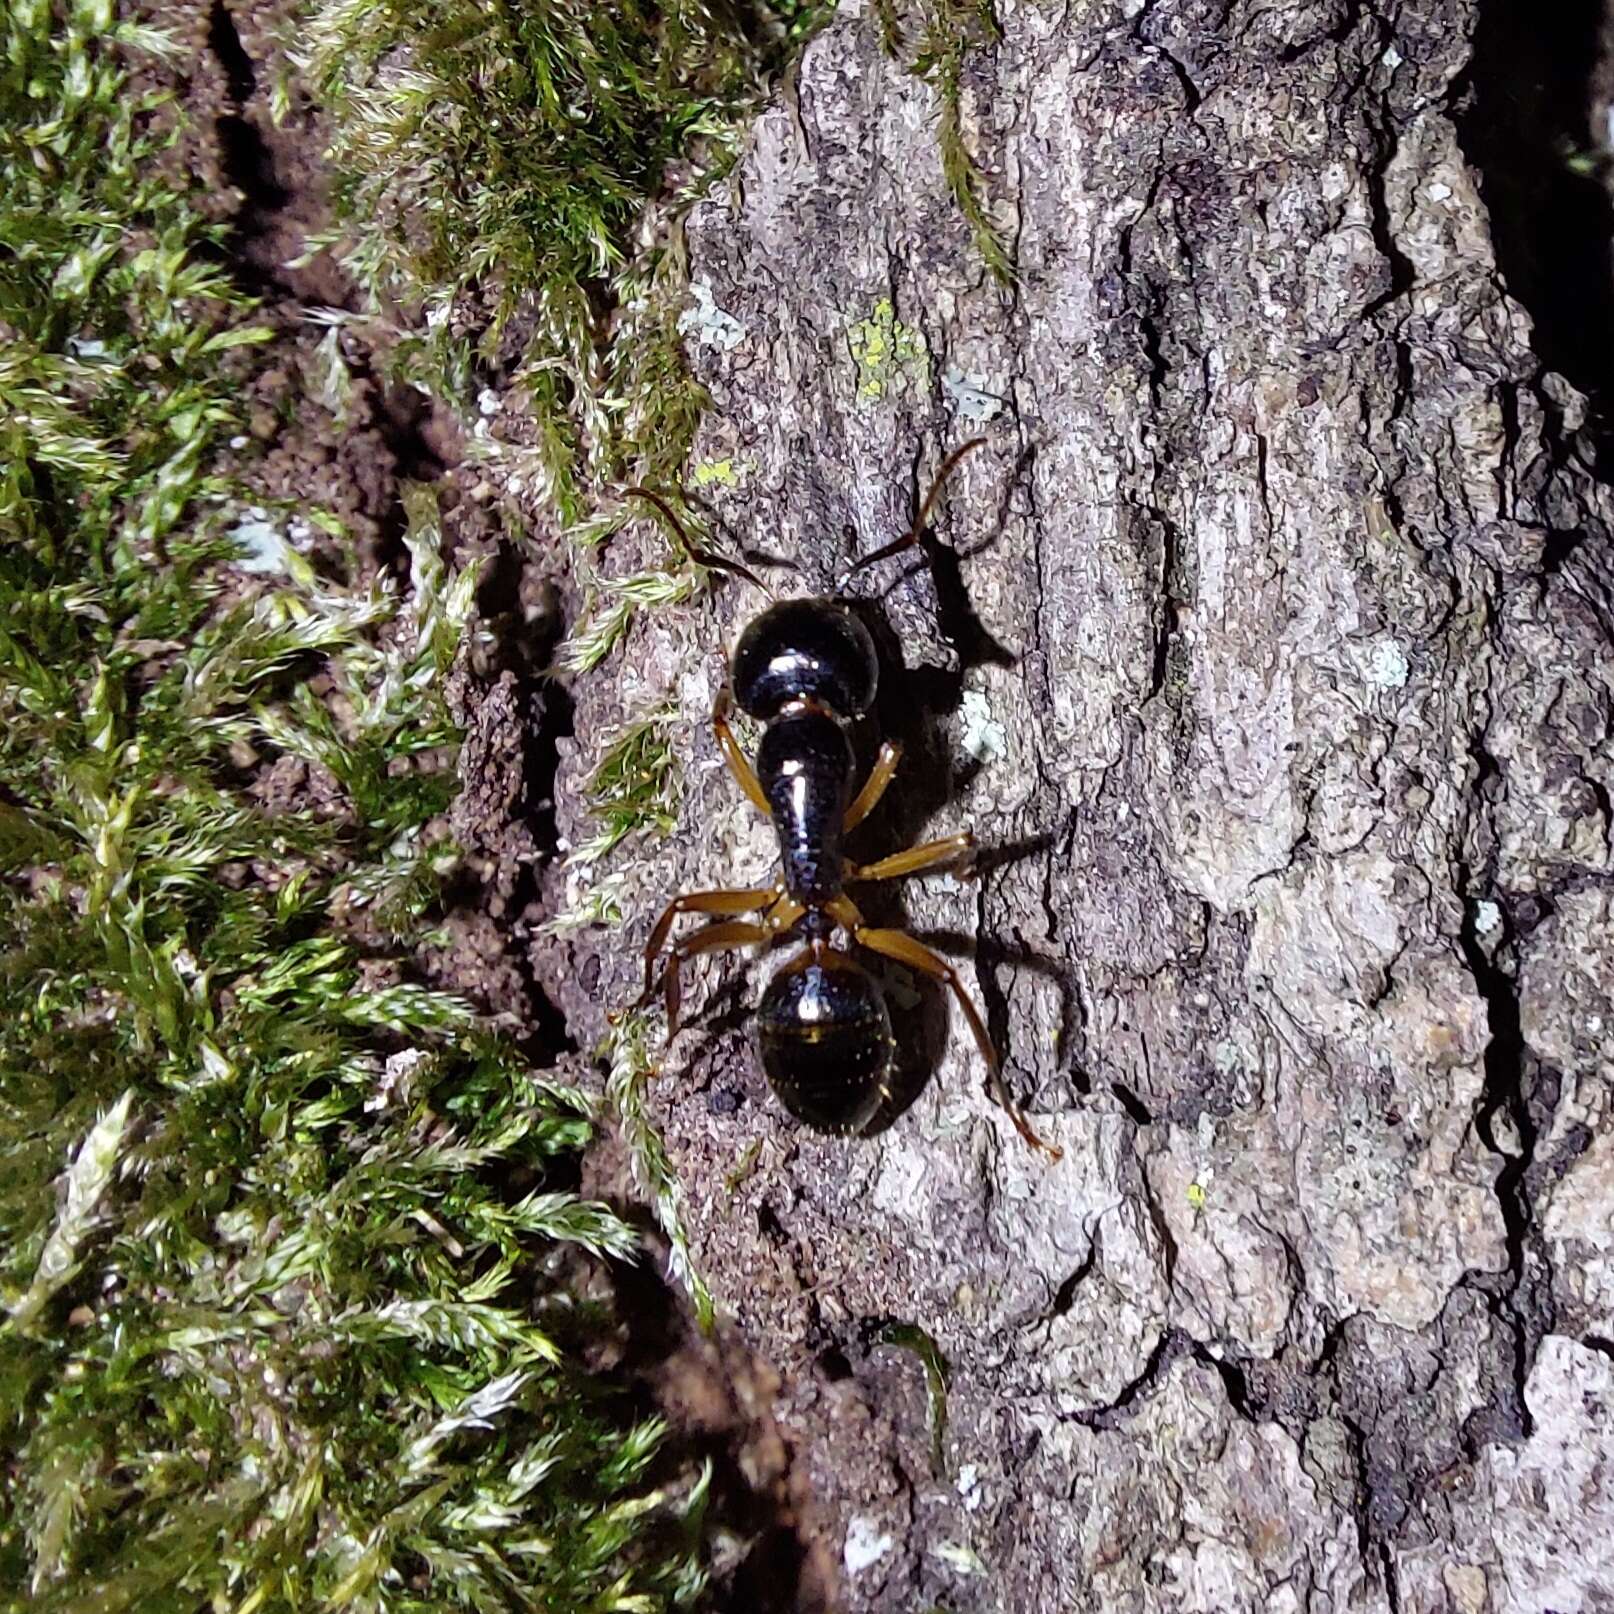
pixel 1274 673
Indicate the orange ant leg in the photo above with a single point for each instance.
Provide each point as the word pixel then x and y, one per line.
pixel 738 763
pixel 714 939
pixel 906 949
pixel 874 787
pixel 931 855
pixel 709 902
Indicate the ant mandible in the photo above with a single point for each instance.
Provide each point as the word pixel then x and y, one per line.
pixel 806 669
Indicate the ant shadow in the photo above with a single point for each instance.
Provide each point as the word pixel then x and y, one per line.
pixel 915 703
pixel 922 1037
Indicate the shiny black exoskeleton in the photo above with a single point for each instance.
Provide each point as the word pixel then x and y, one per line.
pixel 807 670
pixel 825 1040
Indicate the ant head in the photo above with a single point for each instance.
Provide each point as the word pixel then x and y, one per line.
pixel 805 650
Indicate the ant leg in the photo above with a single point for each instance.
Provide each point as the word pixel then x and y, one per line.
pixel 739 764
pixel 931 855
pixel 874 787
pixel 906 949
pixel 727 933
pixel 714 938
pixel 713 902
pixel 912 535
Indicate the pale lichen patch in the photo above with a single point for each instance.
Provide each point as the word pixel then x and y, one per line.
pixel 866 1545
pixel 1387 665
pixel 984 738
pixel 970 397
pixel 707 324
pixel 718 472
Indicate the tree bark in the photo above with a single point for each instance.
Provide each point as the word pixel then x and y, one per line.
pixel 1273 672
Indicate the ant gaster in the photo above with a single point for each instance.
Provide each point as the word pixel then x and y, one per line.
pixel 807 670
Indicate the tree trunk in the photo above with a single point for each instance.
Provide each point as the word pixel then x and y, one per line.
pixel 1268 655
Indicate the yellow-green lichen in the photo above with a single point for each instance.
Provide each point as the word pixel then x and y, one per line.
pixel 891 357
pixel 1196 1196
pixel 721 472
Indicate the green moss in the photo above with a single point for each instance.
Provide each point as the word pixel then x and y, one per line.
pixel 278 1334
pixel 502 163
pixel 634 786
pixel 947 30
pixel 910 1337
pixel 627 1054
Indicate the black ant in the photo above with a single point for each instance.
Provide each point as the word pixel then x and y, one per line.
pixel 807 670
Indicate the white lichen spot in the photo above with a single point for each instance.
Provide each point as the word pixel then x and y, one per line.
pixel 969 1486
pixel 395 1087
pixel 1439 192
pixel 984 738
pixel 866 1544
pixel 708 324
pixel 959 1556
pixel 1487 916
pixel 1392 58
pixel 263 550
pixel 1226 1057
pixel 970 398
pixel 1387 665
pixel 487 401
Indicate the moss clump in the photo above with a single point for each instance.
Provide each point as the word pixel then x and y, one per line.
pixel 276 1333
pixel 512 169
pixel 634 786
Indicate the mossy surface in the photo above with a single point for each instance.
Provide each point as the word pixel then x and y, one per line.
pixel 289 1315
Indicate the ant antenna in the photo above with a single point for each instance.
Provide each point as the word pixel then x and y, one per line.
pixel 704 557
pixel 913 534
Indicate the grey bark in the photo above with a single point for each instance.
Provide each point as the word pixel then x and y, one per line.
pixel 1275 680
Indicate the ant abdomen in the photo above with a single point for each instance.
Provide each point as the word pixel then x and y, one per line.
pixel 805 650
pixel 826 1044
